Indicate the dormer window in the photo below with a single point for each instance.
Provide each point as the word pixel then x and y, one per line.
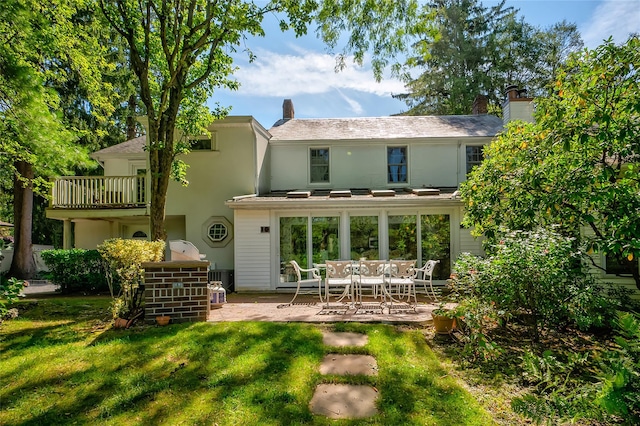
pixel 319 165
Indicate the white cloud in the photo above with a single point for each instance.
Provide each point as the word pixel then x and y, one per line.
pixel 355 106
pixel 616 18
pixel 308 72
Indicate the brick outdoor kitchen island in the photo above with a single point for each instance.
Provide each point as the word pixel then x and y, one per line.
pixel 177 289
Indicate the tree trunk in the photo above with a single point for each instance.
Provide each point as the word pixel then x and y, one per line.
pixel 23 266
pixel 131 117
pixel 160 159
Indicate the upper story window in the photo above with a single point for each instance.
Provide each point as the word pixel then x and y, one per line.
pixel 397 164
pixel 203 143
pixel 474 156
pixel 319 165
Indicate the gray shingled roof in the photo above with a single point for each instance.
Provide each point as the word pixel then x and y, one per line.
pixel 395 127
pixel 132 146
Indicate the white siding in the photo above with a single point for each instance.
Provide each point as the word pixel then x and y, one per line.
pixel 361 164
pixel 252 251
pixel 599 262
pixel 470 244
pixel 626 283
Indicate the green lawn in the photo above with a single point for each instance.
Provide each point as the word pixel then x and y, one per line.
pixel 61 363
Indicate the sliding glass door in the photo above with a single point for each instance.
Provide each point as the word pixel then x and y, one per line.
pixel 296 243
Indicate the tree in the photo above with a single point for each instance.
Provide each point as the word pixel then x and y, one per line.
pixel 34 141
pixel 578 166
pixel 481 50
pixel 181 52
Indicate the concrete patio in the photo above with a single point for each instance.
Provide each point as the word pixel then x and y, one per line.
pixel 273 307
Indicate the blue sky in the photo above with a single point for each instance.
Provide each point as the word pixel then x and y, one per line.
pixel 302 69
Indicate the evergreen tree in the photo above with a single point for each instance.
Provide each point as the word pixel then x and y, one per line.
pixel 482 50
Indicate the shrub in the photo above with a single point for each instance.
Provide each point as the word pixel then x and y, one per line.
pixel 76 270
pixel 122 260
pixel 539 275
pixel 10 290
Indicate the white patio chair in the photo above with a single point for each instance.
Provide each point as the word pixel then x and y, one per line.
pixel 315 279
pixel 370 283
pixel 338 282
pixel 401 285
pixel 424 276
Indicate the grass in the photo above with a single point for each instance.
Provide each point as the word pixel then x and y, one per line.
pixel 61 363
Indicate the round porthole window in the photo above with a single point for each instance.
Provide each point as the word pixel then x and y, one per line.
pixel 217 231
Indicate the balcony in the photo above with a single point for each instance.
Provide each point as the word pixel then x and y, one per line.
pixel 99 192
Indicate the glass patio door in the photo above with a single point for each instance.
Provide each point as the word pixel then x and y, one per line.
pixel 364 237
pixel 293 246
pixel 297 244
pixel 435 235
pixel 403 238
pixel 325 241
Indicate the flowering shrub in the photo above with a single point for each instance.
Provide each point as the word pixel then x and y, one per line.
pixel 122 260
pixel 538 275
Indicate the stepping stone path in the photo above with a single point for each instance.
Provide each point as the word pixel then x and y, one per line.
pixel 345 401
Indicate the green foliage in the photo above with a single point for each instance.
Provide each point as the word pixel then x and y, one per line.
pixel 379 28
pixel 618 388
pixel 182 52
pixel 564 390
pixel 76 270
pixel 45 49
pixel 476 318
pixel 10 290
pixel 537 275
pixel 35 38
pixel 474 49
pixel 577 166
pixel 122 261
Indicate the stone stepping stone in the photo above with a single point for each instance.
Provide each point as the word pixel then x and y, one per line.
pixel 340 339
pixel 349 365
pixel 340 401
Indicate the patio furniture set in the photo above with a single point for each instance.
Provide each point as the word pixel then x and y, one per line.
pixel 366 285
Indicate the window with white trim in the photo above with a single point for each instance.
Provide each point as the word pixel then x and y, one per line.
pixel 217 231
pixel 319 165
pixel 397 164
pixel 474 156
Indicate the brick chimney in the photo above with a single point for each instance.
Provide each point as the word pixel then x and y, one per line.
pixel 287 110
pixel 480 105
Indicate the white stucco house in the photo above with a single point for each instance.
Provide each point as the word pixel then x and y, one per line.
pixel 305 189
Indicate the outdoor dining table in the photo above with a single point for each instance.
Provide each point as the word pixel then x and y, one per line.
pixel 377 280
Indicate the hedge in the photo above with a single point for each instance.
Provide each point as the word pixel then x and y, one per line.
pixel 76 270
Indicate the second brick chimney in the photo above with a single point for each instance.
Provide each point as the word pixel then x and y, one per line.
pixel 480 105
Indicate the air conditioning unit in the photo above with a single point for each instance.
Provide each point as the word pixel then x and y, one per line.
pixel 225 276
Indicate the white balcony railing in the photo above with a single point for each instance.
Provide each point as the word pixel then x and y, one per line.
pixel 85 192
